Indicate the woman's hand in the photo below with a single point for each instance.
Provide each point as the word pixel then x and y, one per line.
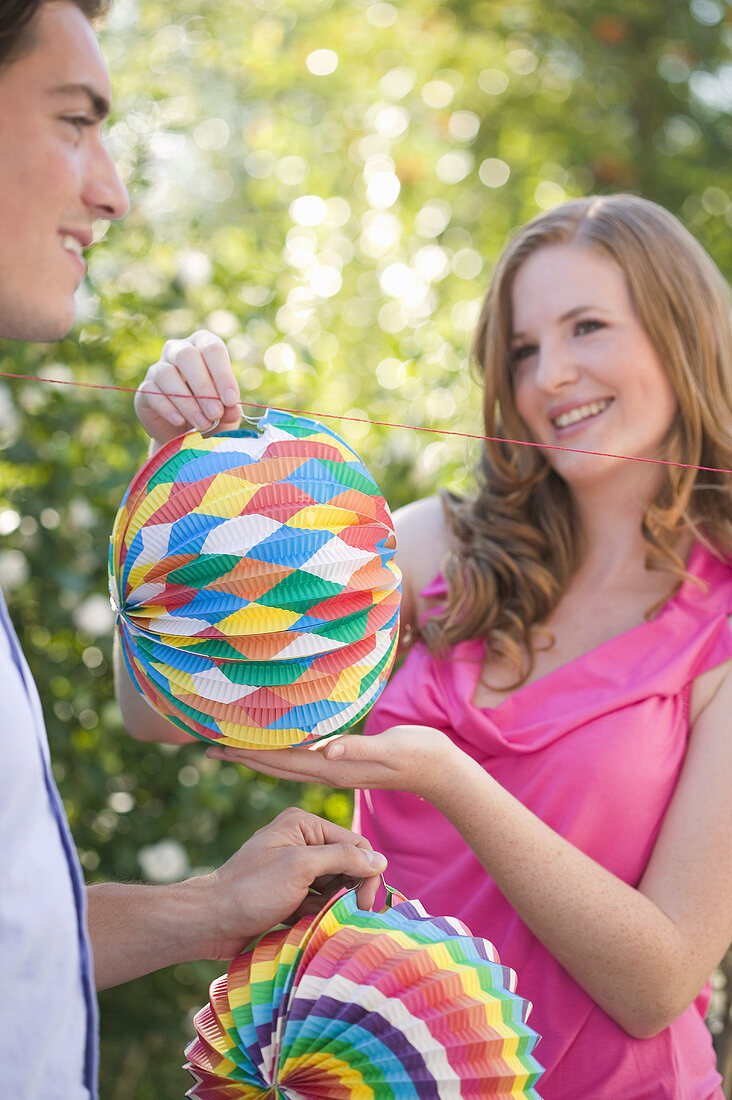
pixel 405 758
pixel 192 386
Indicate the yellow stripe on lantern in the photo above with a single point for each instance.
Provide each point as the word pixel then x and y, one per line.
pixel 152 502
pixel 351 1080
pixel 227 496
pixel 323 516
pixel 257 619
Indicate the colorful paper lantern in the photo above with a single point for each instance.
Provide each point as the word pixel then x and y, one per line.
pixel 358 1005
pixel 252 575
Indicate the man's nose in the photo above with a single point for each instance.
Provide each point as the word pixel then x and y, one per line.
pixel 105 192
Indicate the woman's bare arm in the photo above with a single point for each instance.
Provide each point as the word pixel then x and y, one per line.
pixel 642 954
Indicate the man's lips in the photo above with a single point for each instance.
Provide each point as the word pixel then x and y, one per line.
pixel 73 245
pixel 83 237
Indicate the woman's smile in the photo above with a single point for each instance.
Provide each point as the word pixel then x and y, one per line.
pixel 573 417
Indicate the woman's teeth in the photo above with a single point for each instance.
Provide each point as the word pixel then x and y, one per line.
pixel 582 412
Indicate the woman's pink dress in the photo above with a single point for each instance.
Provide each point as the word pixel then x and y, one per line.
pixel 595 749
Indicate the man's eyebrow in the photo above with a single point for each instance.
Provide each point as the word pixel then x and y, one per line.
pixel 565 317
pixel 99 105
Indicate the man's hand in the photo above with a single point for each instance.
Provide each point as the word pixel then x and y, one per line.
pixel 289 868
pixel 268 881
pixel 192 386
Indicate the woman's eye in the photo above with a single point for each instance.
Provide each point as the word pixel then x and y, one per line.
pixel 583 327
pixel 523 352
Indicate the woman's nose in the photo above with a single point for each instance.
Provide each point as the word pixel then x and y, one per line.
pixel 556 367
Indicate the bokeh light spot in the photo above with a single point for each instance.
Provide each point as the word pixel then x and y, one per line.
pixel 463 125
pixel 211 134
pixel 322 62
pixel 382 190
pixel 279 358
pixel 494 172
pixel 308 210
pixel 548 194
pixel 381 15
pixel 467 263
pixel 454 166
pixel 433 218
pixel 438 93
pixel 391 373
pixel 492 81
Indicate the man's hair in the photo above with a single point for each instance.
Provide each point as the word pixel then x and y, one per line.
pixel 16 24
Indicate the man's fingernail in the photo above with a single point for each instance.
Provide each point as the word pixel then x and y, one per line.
pixel 231 397
pixel 334 751
pixel 376 859
pixel 213 409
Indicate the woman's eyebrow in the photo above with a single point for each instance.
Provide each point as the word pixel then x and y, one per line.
pixel 565 317
pixel 97 102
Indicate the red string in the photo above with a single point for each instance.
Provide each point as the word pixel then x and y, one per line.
pixel 385 424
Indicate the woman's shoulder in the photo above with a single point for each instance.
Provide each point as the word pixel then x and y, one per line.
pixel 708 587
pixel 423 540
pixel 704 605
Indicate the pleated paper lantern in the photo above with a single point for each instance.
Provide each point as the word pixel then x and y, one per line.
pixel 357 1005
pixel 257 600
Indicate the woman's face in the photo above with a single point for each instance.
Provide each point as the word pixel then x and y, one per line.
pixel 586 374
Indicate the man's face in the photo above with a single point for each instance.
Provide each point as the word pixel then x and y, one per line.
pixel 55 174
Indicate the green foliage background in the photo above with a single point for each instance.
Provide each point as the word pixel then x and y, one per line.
pixel 335 217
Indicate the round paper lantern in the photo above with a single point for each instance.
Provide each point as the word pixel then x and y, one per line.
pixel 252 575
pixel 357 1005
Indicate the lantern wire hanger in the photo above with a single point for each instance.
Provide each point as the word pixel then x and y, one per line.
pixel 382 424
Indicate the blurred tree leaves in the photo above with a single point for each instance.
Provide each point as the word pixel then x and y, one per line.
pixel 326 184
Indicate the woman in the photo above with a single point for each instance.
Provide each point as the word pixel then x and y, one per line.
pixel 552 762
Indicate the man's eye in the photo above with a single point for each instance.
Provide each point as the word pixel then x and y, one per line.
pixel 80 122
pixel 523 352
pixel 583 327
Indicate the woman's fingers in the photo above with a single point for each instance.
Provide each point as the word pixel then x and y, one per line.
pixel 347 762
pixel 279 763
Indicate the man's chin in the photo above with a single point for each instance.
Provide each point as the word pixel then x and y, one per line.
pixel 43 327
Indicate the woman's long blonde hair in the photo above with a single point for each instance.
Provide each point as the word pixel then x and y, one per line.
pixel 516 542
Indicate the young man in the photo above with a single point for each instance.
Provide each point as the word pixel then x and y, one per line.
pixel 56 178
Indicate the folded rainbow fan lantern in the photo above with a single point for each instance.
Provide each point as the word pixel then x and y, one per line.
pixel 253 577
pixel 357 1005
